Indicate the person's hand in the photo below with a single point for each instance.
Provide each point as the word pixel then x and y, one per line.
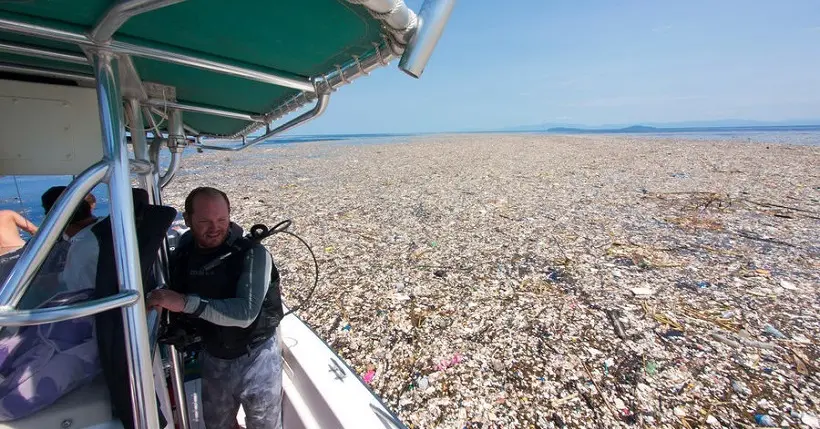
pixel 167 299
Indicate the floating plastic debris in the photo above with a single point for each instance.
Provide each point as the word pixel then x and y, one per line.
pixel 765 420
pixel 453 361
pixel 423 383
pixel 810 420
pixel 369 376
pixel 642 291
pixel 529 230
pixel 651 367
pixel 771 330
pixel 740 388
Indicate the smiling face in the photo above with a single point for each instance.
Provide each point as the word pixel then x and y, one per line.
pixel 209 220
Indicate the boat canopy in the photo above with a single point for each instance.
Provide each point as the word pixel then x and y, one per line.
pixel 233 68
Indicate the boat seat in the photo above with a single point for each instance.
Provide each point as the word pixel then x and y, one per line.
pixel 86 407
pixel 93 406
pixel 152 223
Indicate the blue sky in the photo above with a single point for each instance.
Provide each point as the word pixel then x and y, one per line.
pixel 503 64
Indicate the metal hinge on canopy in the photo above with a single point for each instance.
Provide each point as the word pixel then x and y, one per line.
pixel 397 19
pixel 160 91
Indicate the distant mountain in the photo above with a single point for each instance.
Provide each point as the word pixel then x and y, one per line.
pixel 723 123
pixel 638 129
pixel 630 129
pixel 545 126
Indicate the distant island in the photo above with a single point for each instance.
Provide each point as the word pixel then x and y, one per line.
pixel 632 129
pixel 808 124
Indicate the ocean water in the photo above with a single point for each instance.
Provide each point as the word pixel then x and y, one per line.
pixel 27 201
pixel 354 139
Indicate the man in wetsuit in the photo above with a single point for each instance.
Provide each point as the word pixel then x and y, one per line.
pixel 224 282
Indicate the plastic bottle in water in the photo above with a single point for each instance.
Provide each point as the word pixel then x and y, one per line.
pixel 765 420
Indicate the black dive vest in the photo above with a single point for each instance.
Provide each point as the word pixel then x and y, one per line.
pixel 212 279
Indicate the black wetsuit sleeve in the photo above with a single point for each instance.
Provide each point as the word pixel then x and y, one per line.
pixel 242 310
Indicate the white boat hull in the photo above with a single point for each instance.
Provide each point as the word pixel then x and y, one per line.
pixel 320 390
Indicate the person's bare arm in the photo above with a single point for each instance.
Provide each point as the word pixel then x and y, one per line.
pixel 24 224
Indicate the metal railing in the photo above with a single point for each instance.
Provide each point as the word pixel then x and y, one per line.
pixel 58 74
pixel 123 227
pixel 153 184
pixel 153 102
pixel 318 109
pixel 34 254
pixel 61 313
pixel 37 52
pixel 121 12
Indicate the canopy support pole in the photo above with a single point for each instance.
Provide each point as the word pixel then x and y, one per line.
pixel 433 18
pixel 115 154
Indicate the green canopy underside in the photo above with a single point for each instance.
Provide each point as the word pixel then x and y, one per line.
pixel 297 37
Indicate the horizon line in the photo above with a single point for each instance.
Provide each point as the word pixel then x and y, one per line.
pixel 579 127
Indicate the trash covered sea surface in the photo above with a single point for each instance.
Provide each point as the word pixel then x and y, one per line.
pixel 525 281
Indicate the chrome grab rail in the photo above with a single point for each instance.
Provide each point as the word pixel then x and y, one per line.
pixel 161 268
pixel 178 385
pixel 153 184
pixel 242 116
pixel 37 52
pixel 37 249
pixel 56 74
pixel 41 316
pixel 318 109
pixel 121 12
pixel 125 238
pixel 176 144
